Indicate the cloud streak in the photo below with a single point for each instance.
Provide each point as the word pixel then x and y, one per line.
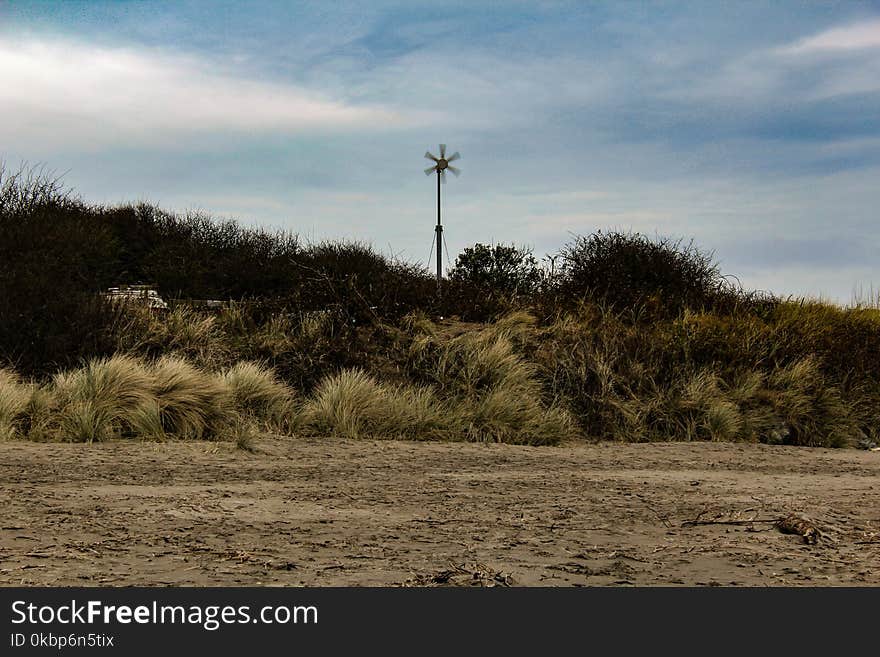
pixel 64 93
pixel 857 36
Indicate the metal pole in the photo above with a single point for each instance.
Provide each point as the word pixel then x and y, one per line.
pixel 439 231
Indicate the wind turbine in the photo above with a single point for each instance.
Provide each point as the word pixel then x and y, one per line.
pixel 441 165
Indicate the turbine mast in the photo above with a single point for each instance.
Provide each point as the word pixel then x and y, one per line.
pixel 440 167
pixel 439 234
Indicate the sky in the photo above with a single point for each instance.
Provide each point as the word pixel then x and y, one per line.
pixel 751 128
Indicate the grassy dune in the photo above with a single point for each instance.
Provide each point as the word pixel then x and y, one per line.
pixel 127 397
pixel 629 338
pixel 516 380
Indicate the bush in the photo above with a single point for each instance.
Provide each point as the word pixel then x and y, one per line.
pixel 193 256
pixel 29 189
pixel 509 271
pixel 628 270
pixel 54 256
pixel 351 278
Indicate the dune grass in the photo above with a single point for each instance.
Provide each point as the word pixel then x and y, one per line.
pixel 353 404
pixel 493 391
pixel 630 338
pixel 704 376
pixel 595 373
pixel 255 391
pixel 119 397
pixel 192 404
pixel 94 402
pixel 14 399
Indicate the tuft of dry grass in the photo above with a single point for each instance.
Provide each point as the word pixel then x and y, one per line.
pixel 354 404
pixel 512 417
pixel 256 391
pixel 120 381
pixel 199 337
pixel 122 397
pixel 813 410
pixel 87 421
pixel 277 336
pixel 94 402
pixel 193 404
pixel 147 422
pixel 15 397
pixel 418 323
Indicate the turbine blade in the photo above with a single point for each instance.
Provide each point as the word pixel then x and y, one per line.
pixel 442 177
pixel 455 156
pixel 429 156
pixel 442 150
pixel 429 171
pixel 455 171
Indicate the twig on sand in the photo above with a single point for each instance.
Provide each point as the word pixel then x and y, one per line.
pixel 662 518
pixel 696 521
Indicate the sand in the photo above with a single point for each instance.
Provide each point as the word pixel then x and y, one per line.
pixel 328 512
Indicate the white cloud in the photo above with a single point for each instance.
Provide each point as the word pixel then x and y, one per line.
pixel 857 36
pixel 56 93
pixel 836 62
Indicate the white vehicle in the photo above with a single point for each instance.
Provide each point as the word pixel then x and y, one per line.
pixel 140 294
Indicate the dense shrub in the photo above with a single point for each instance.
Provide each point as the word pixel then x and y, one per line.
pixel 54 254
pixel 500 269
pixel 193 256
pixel 488 282
pixel 629 270
pixel 358 281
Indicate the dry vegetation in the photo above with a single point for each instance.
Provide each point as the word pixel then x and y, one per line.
pixel 631 339
pixel 514 380
pixel 483 391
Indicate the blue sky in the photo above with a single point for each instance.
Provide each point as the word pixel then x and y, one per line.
pixel 751 127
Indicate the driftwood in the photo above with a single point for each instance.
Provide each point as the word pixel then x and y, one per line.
pixel 688 523
pixel 796 525
pixel 698 520
pixel 791 524
pixel 473 574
